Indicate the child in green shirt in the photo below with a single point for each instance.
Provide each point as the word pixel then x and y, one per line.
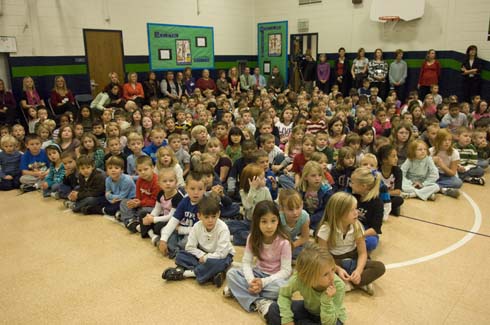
pixel 322 291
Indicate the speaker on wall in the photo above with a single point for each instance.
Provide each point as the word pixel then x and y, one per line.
pixel 356 2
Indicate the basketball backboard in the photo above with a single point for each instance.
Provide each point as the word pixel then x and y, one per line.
pixel 405 9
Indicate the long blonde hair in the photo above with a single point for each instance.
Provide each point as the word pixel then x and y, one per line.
pixel 338 206
pixel 170 152
pixel 369 177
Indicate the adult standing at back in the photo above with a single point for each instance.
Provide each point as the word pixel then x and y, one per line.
pixel 246 80
pixel 359 68
pixel 429 73
pixel 341 72
pixel 323 74
pixel 471 69
pixel 61 99
pixel 398 75
pixel 377 73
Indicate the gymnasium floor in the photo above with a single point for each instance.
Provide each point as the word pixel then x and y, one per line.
pixel 59 268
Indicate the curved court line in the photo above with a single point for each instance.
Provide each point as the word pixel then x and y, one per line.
pixel 453 247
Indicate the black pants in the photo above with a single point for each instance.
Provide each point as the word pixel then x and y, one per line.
pixel 471 87
pixel 381 88
pixel 423 91
pixel 301 315
pixel 396 203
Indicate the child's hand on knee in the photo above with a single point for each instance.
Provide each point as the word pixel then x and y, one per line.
pixel 343 274
pixel 148 220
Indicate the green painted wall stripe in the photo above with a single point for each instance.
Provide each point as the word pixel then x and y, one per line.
pixel 78 69
pixel 35 71
pixel 137 67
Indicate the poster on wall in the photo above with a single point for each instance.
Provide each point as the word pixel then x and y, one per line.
pixel 272 45
pixel 172 47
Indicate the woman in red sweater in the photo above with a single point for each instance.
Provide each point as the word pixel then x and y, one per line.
pixel 429 73
pixel 205 82
pixel 133 90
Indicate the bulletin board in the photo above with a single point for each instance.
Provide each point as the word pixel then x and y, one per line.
pixel 174 47
pixel 272 47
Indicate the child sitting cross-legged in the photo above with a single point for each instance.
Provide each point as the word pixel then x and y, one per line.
pixel 208 252
pixel 174 235
pixel 9 163
pixel 167 201
pixel 92 186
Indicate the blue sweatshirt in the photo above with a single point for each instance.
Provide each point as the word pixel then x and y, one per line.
pixel 151 150
pixel 9 164
pixel 32 162
pixel 124 188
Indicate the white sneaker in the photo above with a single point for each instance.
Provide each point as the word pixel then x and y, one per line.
pixel 155 240
pixel 432 197
pixel 262 306
pixel 227 292
pixel 118 216
pixel 348 286
pixel 368 288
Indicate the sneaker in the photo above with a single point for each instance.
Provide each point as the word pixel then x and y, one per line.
pixel 432 197
pixel 55 195
pixel 368 288
pixel 395 212
pixel 85 210
pixel 227 292
pixel 406 195
pixel 348 286
pixel 173 274
pixel 117 216
pixel 477 180
pixel 69 204
pixel 452 192
pixel 218 279
pixel 262 306
pixel 27 188
pixel 155 240
pixel 131 226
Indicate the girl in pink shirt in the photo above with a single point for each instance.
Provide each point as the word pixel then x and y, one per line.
pixel 255 288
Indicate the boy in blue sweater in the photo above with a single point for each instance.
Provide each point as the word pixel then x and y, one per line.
pixel 118 186
pixel 9 164
pixel 56 174
pixel 157 137
pixel 34 165
pixel 174 235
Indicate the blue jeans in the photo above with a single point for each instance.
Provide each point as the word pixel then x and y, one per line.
pixel 449 181
pixel 371 242
pixel 239 287
pixel 206 271
pixel 473 172
pixel 239 229
pixel 53 189
pixel 301 315
pixel 176 243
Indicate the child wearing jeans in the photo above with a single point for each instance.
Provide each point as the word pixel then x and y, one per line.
pixel 56 174
pixel 134 209
pixel 208 252
pixel 175 234
pixel 9 164
pixel 91 191
pixel 257 287
pixel 34 164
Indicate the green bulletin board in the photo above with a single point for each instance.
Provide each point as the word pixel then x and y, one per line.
pixel 272 47
pixel 173 47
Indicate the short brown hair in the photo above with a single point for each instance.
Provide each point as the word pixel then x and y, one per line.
pixel 209 205
pixel 85 160
pixel 144 160
pixel 115 161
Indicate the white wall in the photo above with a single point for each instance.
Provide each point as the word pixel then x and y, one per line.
pixel 54 27
pixel 446 25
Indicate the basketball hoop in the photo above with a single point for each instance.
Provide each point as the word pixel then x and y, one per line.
pixel 391 19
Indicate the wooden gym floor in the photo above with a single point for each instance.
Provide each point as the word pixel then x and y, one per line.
pixel 58 268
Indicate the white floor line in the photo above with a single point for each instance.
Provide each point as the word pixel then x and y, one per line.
pixel 476 226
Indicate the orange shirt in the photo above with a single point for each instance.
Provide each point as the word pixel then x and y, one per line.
pixel 129 91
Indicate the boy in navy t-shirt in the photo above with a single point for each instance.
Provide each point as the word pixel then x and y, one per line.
pixel 34 164
pixel 174 239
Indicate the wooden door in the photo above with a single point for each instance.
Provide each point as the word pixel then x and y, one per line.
pixel 105 54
